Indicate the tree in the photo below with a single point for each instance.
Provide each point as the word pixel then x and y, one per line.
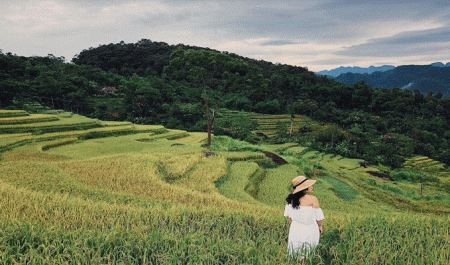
pixel 303 107
pixel 201 69
pixel 141 98
pixel 239 127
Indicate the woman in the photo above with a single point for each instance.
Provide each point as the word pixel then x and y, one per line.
pixel 305 218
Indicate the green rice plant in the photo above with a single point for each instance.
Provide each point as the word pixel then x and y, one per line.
pixel 310 155
pixel 57 143
pixel 267 124
pixel 277 184
pixel 342 189
pixel 65 114
pixel 13 135
pixel 328 157
pixel 319 156
pixel 10 140
pixel 55 126
pixel 89 133
pixel 241 156
pixel 161 241
pixel 127 143
pixel 59 135
pixel 350 164
pixel 234 184
pixel 205 173
pixel 115 123
pixel 426 164
pixel 392 188
pixel 28 119
pixel 173 168
pixel 106 201
pixel 379 241
pixel 254 181
pixel 107 131
pixel 338 157
pixel 423 163
pixel 13 113
pixel 412 175
pixel 155 129
pixel 194 138
pixel 421 158
pixel 225 143
pixel 53 111
pixel 170 135
pixel 296 151
pixel 193 237
pixel 278 147
pixel 307 166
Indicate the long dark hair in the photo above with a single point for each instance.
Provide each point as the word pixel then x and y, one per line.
pixel 294 198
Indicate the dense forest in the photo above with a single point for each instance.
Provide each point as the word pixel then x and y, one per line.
pixel 174 85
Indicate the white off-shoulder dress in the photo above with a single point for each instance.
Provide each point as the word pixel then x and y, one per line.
pixel 304 234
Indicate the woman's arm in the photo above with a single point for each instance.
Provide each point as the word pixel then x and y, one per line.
pixel 317 205
pixel 319 223
pixel 289 220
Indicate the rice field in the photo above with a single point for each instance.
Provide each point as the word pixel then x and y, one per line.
pixel 268 124
pixel 12 113
pixel 121 193
pixel 28 119
pixel 426 164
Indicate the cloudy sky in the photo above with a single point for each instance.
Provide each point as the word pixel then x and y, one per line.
pixel 317 34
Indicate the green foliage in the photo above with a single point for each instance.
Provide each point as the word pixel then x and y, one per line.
pixel 269 107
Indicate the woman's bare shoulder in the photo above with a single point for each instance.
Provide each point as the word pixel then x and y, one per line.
pixel 310 200
pixel 310 197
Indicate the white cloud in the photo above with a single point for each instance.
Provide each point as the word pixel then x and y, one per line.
pixel 316 34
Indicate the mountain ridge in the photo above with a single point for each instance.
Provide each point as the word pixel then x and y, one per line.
pixel 355 69
pixel 368 70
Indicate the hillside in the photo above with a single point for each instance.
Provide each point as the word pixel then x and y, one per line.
pixel 423 78
pixel 176 85
pixel 81 190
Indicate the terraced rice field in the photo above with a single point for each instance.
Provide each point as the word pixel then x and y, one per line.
pixel 120 193
pixel 427 165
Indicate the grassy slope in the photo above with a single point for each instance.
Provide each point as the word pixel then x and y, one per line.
pixel 121 199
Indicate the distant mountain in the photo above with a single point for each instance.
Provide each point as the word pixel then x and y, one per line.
pixel 439 64
pixel 356 69
pixel 434 77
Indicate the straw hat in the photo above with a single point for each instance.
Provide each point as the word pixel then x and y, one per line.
pixel 301 182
